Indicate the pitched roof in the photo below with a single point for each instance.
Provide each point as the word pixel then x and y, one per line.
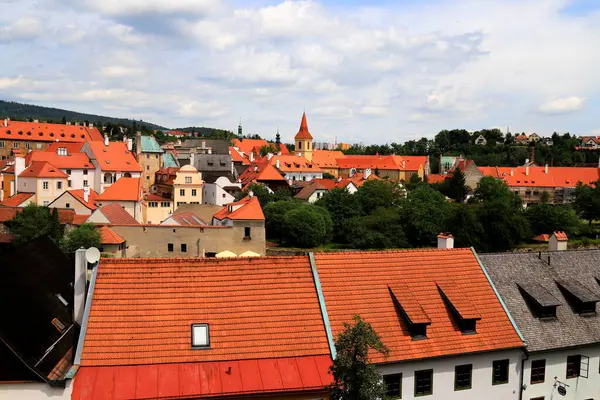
pixel 313 186
pixel 188 218
pixel 437 178
pixel 237 157
pixel 70 161
pixel 65 215
pixel 326 158
pixel 114 157
pixel 537 177
pixel 204 211
pixel 109 236
pixel 303 133
pixel 258 320
pixel 16 199
pixel 150 145
pixel 71 147
pixel 79 196
pixel 169 160
pixel 124 189
pixel 248 145
pixel 293 163
pixel 42 169
pixel 260 172
pixel 579 267
pixel 79 219
pixel 247 208
pixel 561 236
pixel 358 283
pixel 400 163
pixel 44 132
pixel 116 215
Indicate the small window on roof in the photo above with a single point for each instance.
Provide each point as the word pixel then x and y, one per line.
pixel 540 301
pixel 200 336
pixel 581 299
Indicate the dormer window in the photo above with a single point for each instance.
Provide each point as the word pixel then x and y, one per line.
pixel 464 313
pixel 200 336
pixel 540 301
pixel 581 299
pixel 411 311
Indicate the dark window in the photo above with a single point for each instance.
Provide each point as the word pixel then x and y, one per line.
pixel 210 254
pixel 573 366
pixel 393 384
pixel 247 231
pixel 69 172
pixel 417 331
pixel 538 371
pixel 500 372
pixel 193 192
pixel 68 205
pixel 537 398
pixel 424 382
pixel 170 247
pixel 182 192
pixel 467 325
pixel 85 171
pixel 183 247
pixel 462 377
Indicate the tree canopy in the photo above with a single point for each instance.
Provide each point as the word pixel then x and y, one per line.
pixel 35 221
pixel 84 236
pixel 587 201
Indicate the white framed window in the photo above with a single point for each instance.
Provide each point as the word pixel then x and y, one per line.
pixel 27 145
pixel 45 185
pixel 59 185
pixel 200 336
pixel 194 192
pixel 85 183
pixel 1 145
pixel 188 179
pixel 15 145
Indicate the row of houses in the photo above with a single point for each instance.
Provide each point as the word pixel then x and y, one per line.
pixel 458 325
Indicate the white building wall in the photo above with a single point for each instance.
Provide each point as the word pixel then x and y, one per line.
pixel 68 201
pixel 303 176
pixel 77 177
pixel 27 185
pixel 443 376
pixel 580 388
pixel 35 391
pixel 317 194
pixel 215 194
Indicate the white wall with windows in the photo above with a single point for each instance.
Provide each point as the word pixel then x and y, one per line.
pixel 579 368
pixel 415 383
pixel 214 193
pixel 303 176
pixel 80 178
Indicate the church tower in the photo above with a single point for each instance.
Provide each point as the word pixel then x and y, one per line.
pixel 304 140
pixel 240 134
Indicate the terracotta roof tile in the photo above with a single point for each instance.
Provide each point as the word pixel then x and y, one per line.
pixel 326 158
pixel 79 196
pixel 561 236
pixel 537 177
pixel 44 132
pixel 237 157
pixel 114 157
pixel 124 189
pixel 303 133
pixel 65 215
pixel 16 199
pixel 117 215
pixel 261 172
pixel 247 208
pixel 109 236
pixel 357 283
pixel 294 163
pixel 79 219
pixel 189 218
pixel 70 161
pixel 42 169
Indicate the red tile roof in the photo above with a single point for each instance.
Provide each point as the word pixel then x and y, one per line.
pixel 109 236
pixel 537 177
pixel 561 236
pixel 303 133
pixel 65 215
pixel 293 163
pixel 79 219
pixel 42 169
pixel 155 197
pixel 114 157
pixel 71 147
pixel 251 306
pixel 400 163
pixel 248 145
pixel 437 178
pixel 189 218
pixel 326 158
pixel 116 215
pixel 16 199
pixel 359 282
pixel 78 195
pixel 261 172
pixel 44 132
pixel 70 161
pixel 544 237
pixel 247 208
pixel 124 189
pixel 237 157
pixel 228 379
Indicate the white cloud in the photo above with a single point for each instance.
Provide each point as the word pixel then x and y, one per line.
pixel 118 71
pixel 563 105
pixel 136 7
pixel 21 29
pixel 209 109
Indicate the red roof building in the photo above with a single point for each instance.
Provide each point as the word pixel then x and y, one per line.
pixel 246 209
pixel 112 157
pixel 19 200
pixel 42 169
pixel 112 214
pixel 263 172
pixel 124 189
pixel 303 132
pixel 108 236
pixel 45 132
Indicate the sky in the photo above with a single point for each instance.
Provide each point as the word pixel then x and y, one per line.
pixel 376 71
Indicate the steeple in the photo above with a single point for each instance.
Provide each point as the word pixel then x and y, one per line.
pixel 240 135
pixel 278 140
pixel 303 133
pixel 304 140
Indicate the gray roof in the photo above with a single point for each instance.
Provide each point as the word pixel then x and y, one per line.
pixel 217 146
pixel 575 270
pixel 204 211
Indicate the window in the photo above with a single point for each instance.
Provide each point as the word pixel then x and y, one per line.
pixel 194 192
pixel 85 183
pixel 45 185
pixel 393 384
pixel 69 183
pixel 573 366
pixel 170 247
pixel 28 145
pixel 200 336
pixel 153 204
pixel 182 192
pixel 299 145
pixel 223 195
pixel 188 179
pixel 15 145
pixel 147 177
pixel 85 172
pixel 462 376
pixel 67 205
pixel 37 146
pixel 165 204
pixel 147 168
pixel 538 371
pixel 500 372
pixel 68 172
pixel 59 185
pixel 424 382
pixel 46 202
pixel 147 156
pixel 183 247
pixel 1 145
pixel 247 232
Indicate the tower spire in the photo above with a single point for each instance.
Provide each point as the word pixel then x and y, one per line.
pixel 240 134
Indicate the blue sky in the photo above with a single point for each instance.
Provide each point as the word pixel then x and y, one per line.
pixel 369 71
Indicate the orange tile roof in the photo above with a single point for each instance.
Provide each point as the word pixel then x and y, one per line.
pixel 410 163
pixel 247 145
pixel 71 161
pixel 189 218
pixel 155 197
pixel 294 163
pixel 124 189
pixel 79 219
pixel 544 237
pixel 44 132
pixel 314 185
pixel 78 195
pixel 114 157
pixel 357 283
pixel 326 158
pixel 260 172
pixel 399 163
pixel 556 176
pixel 437 178
pixel 561 236
pixel 142 310
pixel 42 169
pixel 247 208
pixel 109 236
pixel 117 215
pixel 71 147
pixel 237 157
pixel 65 215
pixel 16 199
pixel 303 133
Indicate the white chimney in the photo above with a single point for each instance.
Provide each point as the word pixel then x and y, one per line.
pixel 5 122
pixel 255 168
pixel 403 164
pixel 19 167
pixel 68 122
pixel 251 156
pixel 106 140
pixel 512 172
pixel 203 145
pixel 79 286
pixel 445 241
pixel 130 144
pixel 251 194
pixel 36 121
pixel 86 194
pixel 76 123
pixel 193 159
pixel 558 241
pixel 527 170
pixel 91 125
pixel 277 163
pixel 367 173
pixel 269 156
pixel 125 138
pixel 546 168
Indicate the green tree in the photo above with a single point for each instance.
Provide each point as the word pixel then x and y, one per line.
pixel 270 148
pixel 354 377
pixel 84 236
pixel 379 193
pixel 283 193
pixel 587 201
pixel 381 229
pixel 34 221
pixel 259 190
pixel 465 227
pixel 306 226
pixel 455 187
pixel 547 218
pixel 327 175
pixel 413 182
pixel 341 206
pixel 274 217
pixel 425 213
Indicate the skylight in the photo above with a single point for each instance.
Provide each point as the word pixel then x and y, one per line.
pixel 200 336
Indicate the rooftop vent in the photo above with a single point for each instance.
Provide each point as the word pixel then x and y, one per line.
pixel 200 336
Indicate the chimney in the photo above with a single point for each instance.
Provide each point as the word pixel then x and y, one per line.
pixel 512 172
pixel 19 167
pixel 527 170
pixel 203 145
pixel 193 159
pixel 105 139
pixel 79 286
pixel 367 173
pixel 138 142
pixel 277 163
pixel 403 164
pixel 445 241
pixel 76 123
pixel 129 144
pixel 558 241
pixel 125 138
pixel 251 156
pixel 255 168
pixel 86 194
pixel 269 156
pixel 546 168
pixel 5 122
pixel 68 122
pixel 90 125
pixel 251 194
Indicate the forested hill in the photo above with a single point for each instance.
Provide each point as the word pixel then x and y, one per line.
pixel 21 111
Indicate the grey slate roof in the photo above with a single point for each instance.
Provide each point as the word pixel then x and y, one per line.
pixel 217 146
pixel 577 269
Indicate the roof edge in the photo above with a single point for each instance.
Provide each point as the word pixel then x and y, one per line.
pixel 322 306
pixel 86 317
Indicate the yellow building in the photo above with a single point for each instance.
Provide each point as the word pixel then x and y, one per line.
pixel 43 179
pixel 187 186
pixel 156 209
pixel 149 156
pixel 303 140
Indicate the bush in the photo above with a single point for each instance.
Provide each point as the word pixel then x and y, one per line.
pixel 84 236
pixel 306 226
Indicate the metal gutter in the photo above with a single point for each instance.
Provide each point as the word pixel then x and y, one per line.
pixel 324 315
pixel 86 316
pixel 512 321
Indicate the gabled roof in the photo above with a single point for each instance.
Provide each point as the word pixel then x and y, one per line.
pixel 109 236
pixel 71 147
pixel 42 169
pixel 261 172
pixel 358 283
pixel 577 269
pixel 537 177
pixel 326 158
pixel 65 215
pixel 70 161
pixel 117 215
pixel 313 186
pixel 248 145
pixel 114 157
pixel 17 199
pixel 169 161
pixel 247 208
pixel 124 189
pixel 44 132
pixel 237 157
pixel 188 219
pixel 303 133
pixel 294 163
pixel 79 196
pixel 150 145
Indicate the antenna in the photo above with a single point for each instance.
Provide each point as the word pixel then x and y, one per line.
pixel 92 255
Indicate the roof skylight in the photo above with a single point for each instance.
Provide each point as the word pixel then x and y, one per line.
pixel 200 336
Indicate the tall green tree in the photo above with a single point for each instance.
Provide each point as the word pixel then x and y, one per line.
pixel 84 236
pixel 425 212
pixel 455 187
pixel 274 217
pixel 34 221
pixel 306 226
pixel 354 377
pixel 547 218
pixel 342 206
pixel 382 229
pixel 587 201
pixel 465 226
pixel 379 193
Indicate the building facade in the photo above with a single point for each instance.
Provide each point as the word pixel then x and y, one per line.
pixel 187 186
pixel 149 156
